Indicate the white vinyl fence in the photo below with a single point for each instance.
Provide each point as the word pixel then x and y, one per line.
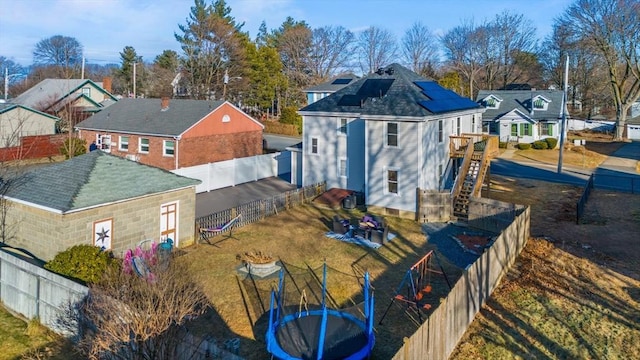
pixel 227 173
pixel 35 292
pixel 595 125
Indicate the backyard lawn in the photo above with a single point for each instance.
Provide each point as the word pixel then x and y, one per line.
pixel 297 238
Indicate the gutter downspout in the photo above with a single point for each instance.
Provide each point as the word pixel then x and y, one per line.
pixel 176 162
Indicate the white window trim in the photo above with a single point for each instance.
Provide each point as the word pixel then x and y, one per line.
pixel 164 148
pixel 346 167
pixel 140 145
pixel 386 135
pixel 386 181
pixel 120 142
pixel 346 127
pixel 100 142
pixel 317 146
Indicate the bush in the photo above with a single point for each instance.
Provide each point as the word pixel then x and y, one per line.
pixel 85 262
pixel 502 144
pixel 275 127
pixel 73 147
pixel 540 145
pixel 551 142
pixel 523 146
pixel 290 116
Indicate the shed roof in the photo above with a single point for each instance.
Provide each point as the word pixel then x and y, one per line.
pixel 93 179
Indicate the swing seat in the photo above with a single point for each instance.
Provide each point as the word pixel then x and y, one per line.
pixel 426 289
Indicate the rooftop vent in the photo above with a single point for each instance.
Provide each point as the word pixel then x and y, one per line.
pixel 390 71
pixel 380 71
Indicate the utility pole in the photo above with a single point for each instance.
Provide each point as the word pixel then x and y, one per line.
pixel 134 80
pixel 564 114
pixel 82 72
pixel 6 82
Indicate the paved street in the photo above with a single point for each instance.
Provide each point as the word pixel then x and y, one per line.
pixel 617 172
pixel 280 142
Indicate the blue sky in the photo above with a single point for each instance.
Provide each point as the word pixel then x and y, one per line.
pixel 105 27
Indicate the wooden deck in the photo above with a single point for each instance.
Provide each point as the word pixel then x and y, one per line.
pixel 333 197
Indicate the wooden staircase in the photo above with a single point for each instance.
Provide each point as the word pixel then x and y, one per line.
pixel 475 164
pixel 461 202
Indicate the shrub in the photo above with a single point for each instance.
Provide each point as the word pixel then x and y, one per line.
pixel 523 146
pixel 290 116
pixel 551 142
pixel 73 147
pixel 275 127
pixel 502 144
pixel 540 145
pixel 85 262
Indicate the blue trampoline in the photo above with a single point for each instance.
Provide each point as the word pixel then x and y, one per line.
pixel 298 332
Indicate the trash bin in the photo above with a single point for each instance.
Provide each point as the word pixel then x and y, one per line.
pixel 349 202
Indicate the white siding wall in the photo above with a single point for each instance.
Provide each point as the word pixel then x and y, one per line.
pixel 403 158
pixel 332 147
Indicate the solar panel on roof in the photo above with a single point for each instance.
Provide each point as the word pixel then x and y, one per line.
pixel 341 81
pixel 375 87
pixel 442 106
pixel 350 100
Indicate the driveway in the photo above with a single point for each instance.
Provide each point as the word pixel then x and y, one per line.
pixel 222 199
pixel 618 171
pixel 280 142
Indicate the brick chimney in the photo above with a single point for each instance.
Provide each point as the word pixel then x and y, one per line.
pixel 106 84
pixel 164 103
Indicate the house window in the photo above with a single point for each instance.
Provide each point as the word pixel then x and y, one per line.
pixel 168 148
pixel 458 126
pixel 440 131
pixel 514 129
pixel 103 142
pixel 538 104
pixel 342 168
pixel 143 147
pixel 124 143
pixel 314 145
pixel 342 126
pixel 526 130
pixel 392 134
pixel 486 127
pixel 473 123
pixel 491 103
pixel 392 181
pixel 86 91
pixel 546 129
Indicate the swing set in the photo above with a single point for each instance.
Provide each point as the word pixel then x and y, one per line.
pixel 417 281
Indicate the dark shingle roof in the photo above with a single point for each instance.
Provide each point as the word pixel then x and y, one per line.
pixel 521 100
pixel 402 97
pixel 93 179
pixel 146 116
pixel 334 84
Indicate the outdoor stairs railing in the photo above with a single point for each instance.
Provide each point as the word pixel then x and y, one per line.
pixel 474 167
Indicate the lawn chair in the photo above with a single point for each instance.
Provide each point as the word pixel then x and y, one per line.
pixel 340 226
pixel 206 233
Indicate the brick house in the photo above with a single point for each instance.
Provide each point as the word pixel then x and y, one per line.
pixel 172 134
pixel 98 199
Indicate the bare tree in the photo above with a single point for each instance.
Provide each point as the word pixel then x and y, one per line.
pixel 126 316
pixel 611 28
pixel 513 34
pixel 293 40
pixel 63 52
pixel 465 47
pixel 330 51
pixel 420 49
pixel 376 48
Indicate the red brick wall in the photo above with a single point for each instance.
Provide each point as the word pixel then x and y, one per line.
pixel 213 148
pixel 189 151
pixel 34 147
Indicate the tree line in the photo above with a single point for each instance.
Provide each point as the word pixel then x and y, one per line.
pixel 265 74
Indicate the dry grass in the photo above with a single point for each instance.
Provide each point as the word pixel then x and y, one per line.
pixel 297 238
pixel 598 147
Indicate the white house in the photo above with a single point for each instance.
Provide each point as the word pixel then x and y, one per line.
pixel 385 135
pixel 522 116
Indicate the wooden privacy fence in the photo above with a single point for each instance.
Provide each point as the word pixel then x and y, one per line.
pixel 444 328
pixel 259 209
pixel 34 292
pixel 583 199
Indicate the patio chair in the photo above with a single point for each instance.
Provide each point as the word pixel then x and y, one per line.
pixel 340 226
pixel 379 235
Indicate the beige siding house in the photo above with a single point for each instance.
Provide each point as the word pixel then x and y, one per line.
pixel 99 199
pixel 17 121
